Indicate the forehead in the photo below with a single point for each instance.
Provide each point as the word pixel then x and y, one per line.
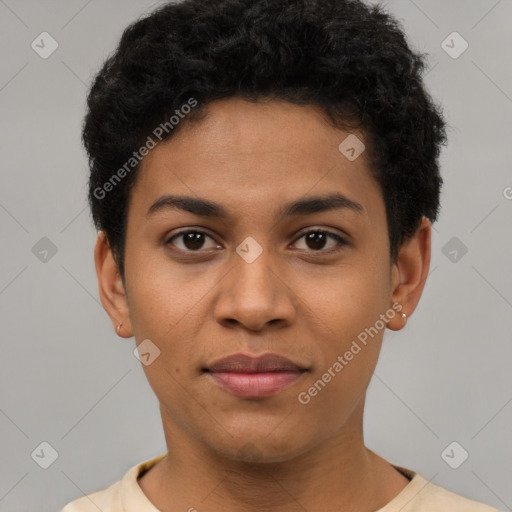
pixel 246 155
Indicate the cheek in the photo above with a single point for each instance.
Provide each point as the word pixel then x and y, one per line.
pixel 348 360
pixel 169 306
pixel 164 296
pixel 350 298
pixel 165 310
pixel 347 311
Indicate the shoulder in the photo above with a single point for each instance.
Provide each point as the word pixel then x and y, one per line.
pixel 115 497
pixel 106 500
pixel 423 496
pixel 444 499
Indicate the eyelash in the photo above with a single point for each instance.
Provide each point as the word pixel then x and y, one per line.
pixel 341 241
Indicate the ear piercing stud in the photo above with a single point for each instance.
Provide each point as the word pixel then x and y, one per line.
pixel 402 314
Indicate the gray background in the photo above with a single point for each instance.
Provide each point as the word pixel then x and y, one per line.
pixel 67 379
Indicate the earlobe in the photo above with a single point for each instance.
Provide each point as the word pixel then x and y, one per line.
pixel 410 273
pixel 111 288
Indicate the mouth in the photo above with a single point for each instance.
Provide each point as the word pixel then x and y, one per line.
pixel 254 377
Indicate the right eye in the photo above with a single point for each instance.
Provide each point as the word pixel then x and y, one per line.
pixel 191 240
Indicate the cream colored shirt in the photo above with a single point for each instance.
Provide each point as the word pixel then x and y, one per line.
pixel 419 496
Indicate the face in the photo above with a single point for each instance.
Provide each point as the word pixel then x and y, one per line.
pixel 253 263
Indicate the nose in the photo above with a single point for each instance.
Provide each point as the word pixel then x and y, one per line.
pixel 255 295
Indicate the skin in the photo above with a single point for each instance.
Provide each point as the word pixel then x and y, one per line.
pixel 296 299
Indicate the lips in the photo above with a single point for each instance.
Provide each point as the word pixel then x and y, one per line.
pixel 254 377
pixel 241 363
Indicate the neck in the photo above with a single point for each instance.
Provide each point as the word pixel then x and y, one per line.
pixel 339 470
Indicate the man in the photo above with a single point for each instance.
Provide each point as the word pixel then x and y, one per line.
pixel 264 175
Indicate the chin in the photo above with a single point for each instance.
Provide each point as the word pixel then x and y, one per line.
pixel 260 446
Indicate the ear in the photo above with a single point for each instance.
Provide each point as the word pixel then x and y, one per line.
pixel 111 287
pixel 410 272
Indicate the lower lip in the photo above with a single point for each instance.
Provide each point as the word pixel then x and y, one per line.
pixel 255 385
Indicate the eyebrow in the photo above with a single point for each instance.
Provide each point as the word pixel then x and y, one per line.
pixel 206 208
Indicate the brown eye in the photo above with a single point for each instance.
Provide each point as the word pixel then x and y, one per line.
pixel 191 241
pixel 317 239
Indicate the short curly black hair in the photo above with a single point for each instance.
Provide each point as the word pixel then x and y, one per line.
pixel 349 58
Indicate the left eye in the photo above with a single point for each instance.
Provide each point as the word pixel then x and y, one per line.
pixel 317 239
